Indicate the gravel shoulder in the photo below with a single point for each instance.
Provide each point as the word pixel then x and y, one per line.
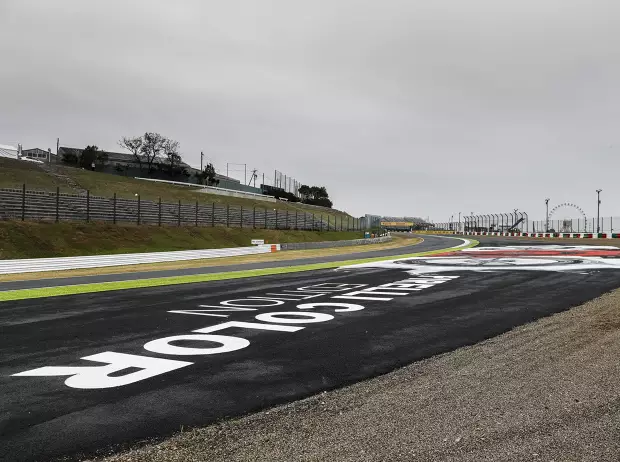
pixel 544 391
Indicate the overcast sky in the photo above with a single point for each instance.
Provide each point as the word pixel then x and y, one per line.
pixel 413 107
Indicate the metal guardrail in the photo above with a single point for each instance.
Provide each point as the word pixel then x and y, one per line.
pixel 23 205
pixel 32 265
pixel 331 244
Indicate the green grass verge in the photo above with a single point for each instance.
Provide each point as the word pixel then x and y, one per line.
pixel 41 240
pixel 12 295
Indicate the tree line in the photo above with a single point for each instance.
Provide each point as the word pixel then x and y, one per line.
pixel 152 152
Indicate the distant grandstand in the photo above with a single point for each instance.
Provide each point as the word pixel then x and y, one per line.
pixel 395 223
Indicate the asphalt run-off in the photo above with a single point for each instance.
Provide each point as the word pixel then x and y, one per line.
pixel 88 372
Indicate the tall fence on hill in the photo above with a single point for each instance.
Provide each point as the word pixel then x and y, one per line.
pixel 16 204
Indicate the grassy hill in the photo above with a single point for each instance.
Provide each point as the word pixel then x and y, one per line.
pixel 37 240
pixel 14 173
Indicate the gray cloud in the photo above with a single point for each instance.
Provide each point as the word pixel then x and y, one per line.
pixel 398 107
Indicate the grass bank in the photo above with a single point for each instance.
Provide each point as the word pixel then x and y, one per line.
pixel 15 173
pixel 38 240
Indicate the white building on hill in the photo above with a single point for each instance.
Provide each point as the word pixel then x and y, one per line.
pixel 8 151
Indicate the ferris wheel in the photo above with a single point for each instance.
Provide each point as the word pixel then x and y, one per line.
pixel 561 218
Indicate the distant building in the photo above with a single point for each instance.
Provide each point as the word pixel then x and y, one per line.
pixel 39 154
pixel 8 151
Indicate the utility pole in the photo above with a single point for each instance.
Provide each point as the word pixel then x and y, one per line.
pixel 201 158
pixel 547 219
pixel 253 177
pixel 598 211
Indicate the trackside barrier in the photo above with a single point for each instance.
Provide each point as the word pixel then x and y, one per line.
pixel 32 265
pixel 328 244
pixel 548 235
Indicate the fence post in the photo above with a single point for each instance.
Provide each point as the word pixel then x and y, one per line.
pixel 114 210
pixel 57 203
pixel 179 217
pixel 287 219
pixel 321 223
pixel 241 220
pixel 313 222
pixel 196 213
pixel 159 212
pixel 254 217
pixel 213 214
pixel 265 220
pixel 139 209
pixel 228 215
pixel 305 220
pixel 277 219
pixel 23 201
pixel 348 225
pixel 87 205
pixel 296 223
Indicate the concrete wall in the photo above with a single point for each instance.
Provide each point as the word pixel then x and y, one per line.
pixel 330 244
pixel 232 193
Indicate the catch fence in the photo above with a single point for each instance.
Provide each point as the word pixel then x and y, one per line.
pixel 16 204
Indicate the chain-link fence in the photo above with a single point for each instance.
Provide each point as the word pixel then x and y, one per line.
pixel 577 225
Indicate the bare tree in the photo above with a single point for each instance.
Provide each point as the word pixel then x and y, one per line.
pixel 153 148
pixel 134 145
pixel 173 159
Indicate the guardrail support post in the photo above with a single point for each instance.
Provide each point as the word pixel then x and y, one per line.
pixel 114 209
pixel 159 211
pixel 87 205
pixel 196 213
pixel 179 217
pixel 57 203
pixel 23 201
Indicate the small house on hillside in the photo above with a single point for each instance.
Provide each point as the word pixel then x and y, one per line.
pixel 39 154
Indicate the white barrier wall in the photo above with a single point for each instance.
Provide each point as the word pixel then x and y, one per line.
pixel 33 265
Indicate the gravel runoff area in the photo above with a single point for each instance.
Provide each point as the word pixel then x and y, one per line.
pixel 547 391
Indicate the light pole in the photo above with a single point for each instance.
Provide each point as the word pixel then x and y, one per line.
pixel 598 211
pixel 547 219
pixel 459 222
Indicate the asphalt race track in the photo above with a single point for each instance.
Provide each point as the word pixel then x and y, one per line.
pixel 303 333
pixel 429 243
